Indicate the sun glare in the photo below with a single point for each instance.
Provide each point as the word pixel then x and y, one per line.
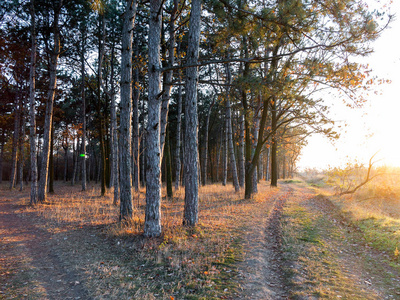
pixel 373 128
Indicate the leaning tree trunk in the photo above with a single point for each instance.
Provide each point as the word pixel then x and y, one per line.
pixel 191 209
pixel 228 117
pixel 152 225
pixel 48 120
pixel 126 112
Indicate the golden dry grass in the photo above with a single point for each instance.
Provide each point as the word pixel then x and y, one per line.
pixel 183 261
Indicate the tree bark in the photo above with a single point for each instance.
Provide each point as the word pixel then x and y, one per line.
pixel 51 162
pixel 2 155
pixel 225 154
pixel 136 133
pixel 190 217
pixel 228 117
pixel 241 151
pixel 274 163
pixel 205 152
pixel 126 111
pixel 74 160
pixel 167 80
pixel 42 191
pixel 83 158
pixel 152 225
pixel 256 129
pixel 168 168
pixel 178 129
pixel 21 150
pixel 14 154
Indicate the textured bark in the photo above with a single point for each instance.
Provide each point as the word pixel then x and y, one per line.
pixel 14 154
pixel 190 217
pixel 168 167
pixel 228 116
pixel 51 162
pixel 115 152
pixel 267 165
pixel 225 154
pixel 21 150
pixel 256 129
pixel 83 98
pixel 114 173
pixel 241 151
pixel 274 163
pixel 2 156
pixel 178 133
pixel 205 151
pixel 74 161
pixel 167 80
pixel 219 156
pixel 48 121
pixel 135 124
pixel 126 111
pixel 260 167
pixel 152 225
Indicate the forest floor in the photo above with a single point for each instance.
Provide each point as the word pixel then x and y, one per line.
pixel 293 242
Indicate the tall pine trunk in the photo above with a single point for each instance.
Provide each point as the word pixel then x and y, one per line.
pixel 152 225
pixel 228 117
pixel 178 130
pixel 135 124
pixel 225 154
pixel 205 152
pixel 167 80
pixel 14 154
pixel 21 150
pixel 51 162
pixel 191 209
pixel 48 121
pixel 241 151
pixel 83 155
pixel 274 163
pixel 126 111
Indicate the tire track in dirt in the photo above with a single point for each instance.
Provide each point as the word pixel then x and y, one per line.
pixel 262 271
pixel 36 250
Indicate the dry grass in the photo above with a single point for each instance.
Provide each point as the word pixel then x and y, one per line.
pixel 190 263
pixel 374 208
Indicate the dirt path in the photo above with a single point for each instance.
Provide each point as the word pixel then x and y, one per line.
pixel 305 248
pixel 262 271
pixel 30 260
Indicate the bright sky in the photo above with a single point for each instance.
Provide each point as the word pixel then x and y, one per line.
pixel 376 126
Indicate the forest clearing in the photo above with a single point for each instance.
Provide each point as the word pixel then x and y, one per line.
pixel 298 241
